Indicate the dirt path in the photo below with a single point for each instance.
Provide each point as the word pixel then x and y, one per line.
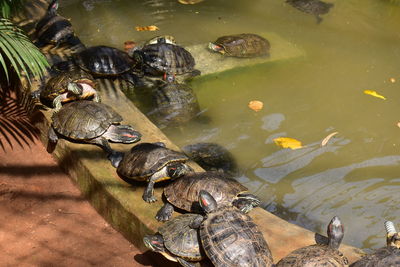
pixel 44 220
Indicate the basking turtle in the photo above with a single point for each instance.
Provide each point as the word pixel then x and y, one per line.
pixel 160 58
pixel 212 157
pixel 175 103
pixel 177 241
pixel 230 237
pixel 319 254
pixel 66 87
pixel 314 7
pixel 152 162
pixel 92 122
pixel 386 256
pixel 104 62
pixel 241 45
pixel 53 28
pixel 183 193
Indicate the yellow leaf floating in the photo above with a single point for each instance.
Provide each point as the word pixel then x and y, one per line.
pixel 374 93
pixel 287 142
pixel 147 28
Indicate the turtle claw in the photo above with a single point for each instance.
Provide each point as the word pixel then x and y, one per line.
pixel 149 199
pixel 165 213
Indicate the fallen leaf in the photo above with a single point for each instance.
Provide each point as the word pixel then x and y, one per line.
pixel 256 105
pixel 147 28
pixel 374 93
pixel 398 124
pixel 287 142
pixel 392 80
pixel 326 139
pixel 190 2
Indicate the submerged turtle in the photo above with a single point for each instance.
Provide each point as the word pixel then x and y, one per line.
pixel 319 254
pixel 386 256
pixel 66 87
pixel 212 157
pixel 160 58
pixel 177 241
pixel 314 7
pixel 175 103
pixel 183 193
pixel 92 122
pixel 152 162
pixel 53 28
pixel 241 45
pixel 104 62
pixel 230 237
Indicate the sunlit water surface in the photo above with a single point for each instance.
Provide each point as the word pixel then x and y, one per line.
pixel 356 47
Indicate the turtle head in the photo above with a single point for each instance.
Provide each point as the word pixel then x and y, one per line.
pixel 216 48
pixel 178 169
pixel 335 232
pixel 75 88
pixel 154 242
pixel 53 6
pixel 130 47
pixel 207 201
pixel 392 237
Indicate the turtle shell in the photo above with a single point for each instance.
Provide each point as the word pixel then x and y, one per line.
pixel 183 193
pixel 55 30
pixel 231 238
pixel 315 7
pixel 58 85
pixel 244 45
pixel 180 239
pixel 167 58
pixel 383 257
pixel 145 159
pixel 314 255
pixel 104 61
pixel 83 120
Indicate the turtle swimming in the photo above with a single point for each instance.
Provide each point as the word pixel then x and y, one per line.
pixel 92 122
pixel 314 7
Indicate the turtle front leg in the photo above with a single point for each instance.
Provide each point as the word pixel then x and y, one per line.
pixel 53 139
pixel 148 194
pixel 246 202
pixel 165 213
pixel 114 156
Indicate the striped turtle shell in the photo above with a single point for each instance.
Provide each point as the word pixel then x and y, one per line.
pixel 167 58
pixel 244 45
pixel 180 239
pixel 83 120
pixel 58 85
pixel 183 193
pixel 104 61
pixel 231 238
pixel 145 159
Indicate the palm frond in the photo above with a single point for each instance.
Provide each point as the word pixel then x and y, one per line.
pixel 16 49
pixel 9 7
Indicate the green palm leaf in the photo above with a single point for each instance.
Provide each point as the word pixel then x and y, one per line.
pixel 16 49
pixel 8 7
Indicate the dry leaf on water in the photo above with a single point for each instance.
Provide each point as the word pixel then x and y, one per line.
pixel 256 105
pixel 374 93
pixel 287 142
pixel 147 28
pixel 392 80
pixel 326 139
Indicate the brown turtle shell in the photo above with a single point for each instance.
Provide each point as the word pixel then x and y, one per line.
pixel 383 257
pixel 231 238
pixel 183 193
pixel 314 255
pixel 58 85
pixel 145 159
pixel 83 120
pixel 180 239
pixel 244 45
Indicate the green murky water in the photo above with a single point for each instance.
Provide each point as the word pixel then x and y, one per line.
pixel 356 47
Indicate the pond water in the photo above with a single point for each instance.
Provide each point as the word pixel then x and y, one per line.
pixel 355 48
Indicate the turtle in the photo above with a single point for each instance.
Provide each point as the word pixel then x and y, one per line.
pixel 212 157
pixel 177 241
pixel 320 254
pixel 388 256
pixel 162 39
pixel 230 237
pixel 183 193
pixel 175 103
pixel 152 162
pixel 104 62
pixel 92 122
pixel 162 57
pixel 54 29
pixel 66 87
pixel 241 45
pixel 314 7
